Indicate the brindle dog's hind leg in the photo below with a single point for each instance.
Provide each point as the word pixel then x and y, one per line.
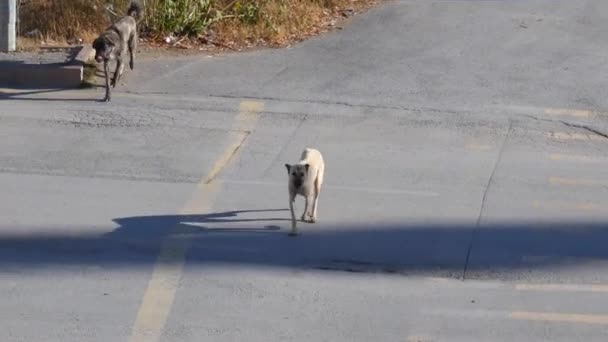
pixel 132 48
pixel 106 69
pixel 120 67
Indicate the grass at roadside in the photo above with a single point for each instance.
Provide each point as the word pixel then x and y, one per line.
pixel 225 22
pixel 279 22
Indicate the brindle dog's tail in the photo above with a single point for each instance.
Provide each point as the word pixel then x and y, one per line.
pixel 135 10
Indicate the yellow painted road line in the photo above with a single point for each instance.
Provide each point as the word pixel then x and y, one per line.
pixel 559 317
pixel 596 288
pixel 577 158
pixel 166 276
pixel 591 207
pixel 562 260
pixel 564 136
pixel 581 206
pixel 577 113
pixel 10 91
pixel 576 181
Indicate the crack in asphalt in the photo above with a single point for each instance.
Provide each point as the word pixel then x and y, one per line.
pixel 214 175
pixel 585 127
pixel 421 109
pixel 484 198
pixel 570 124
pixel 342 103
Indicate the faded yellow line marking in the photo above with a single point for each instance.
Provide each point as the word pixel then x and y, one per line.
pixel 590 207
pixel 559 317
pixel 577 113
pixel 10 91
pixel 596 288
pixel 584 206
pixel 560 259
pixel 577 158
pixel 576 181
pixel 250 108
pixel 574 136
pixel 166 276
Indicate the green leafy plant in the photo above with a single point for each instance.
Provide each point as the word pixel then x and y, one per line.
pixel 181 17
pixel 247 12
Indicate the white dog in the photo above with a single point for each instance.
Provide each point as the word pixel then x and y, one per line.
pixel 306 178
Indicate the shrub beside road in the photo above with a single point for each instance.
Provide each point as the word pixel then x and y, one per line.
pixel 184 23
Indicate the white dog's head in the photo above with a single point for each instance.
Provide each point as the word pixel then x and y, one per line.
pixel 297 174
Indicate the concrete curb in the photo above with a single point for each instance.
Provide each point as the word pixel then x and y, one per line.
pixel 53 75
pixel 85 54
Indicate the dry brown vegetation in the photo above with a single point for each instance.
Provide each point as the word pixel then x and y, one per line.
pixel 229 23
pixel 60 19
pixel 280 22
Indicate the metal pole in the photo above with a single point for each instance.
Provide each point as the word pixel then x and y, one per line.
pixel 8 25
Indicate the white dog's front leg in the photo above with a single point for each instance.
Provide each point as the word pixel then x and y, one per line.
pixel 293 216
pixel 306 207
pixel 313 218
pixel 315 202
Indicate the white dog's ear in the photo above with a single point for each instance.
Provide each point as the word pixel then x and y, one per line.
pixel 288 167
pixel 307 166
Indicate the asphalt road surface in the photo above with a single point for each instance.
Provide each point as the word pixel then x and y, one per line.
pixel 466 194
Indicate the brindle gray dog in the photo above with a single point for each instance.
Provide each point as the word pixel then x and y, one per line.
pixel 113 43
pixel 306 178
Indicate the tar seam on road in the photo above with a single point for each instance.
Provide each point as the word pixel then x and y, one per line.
pixel 585 127
pixel 483 200
pixel 222 163
pixel 559 317
pixel 341 103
